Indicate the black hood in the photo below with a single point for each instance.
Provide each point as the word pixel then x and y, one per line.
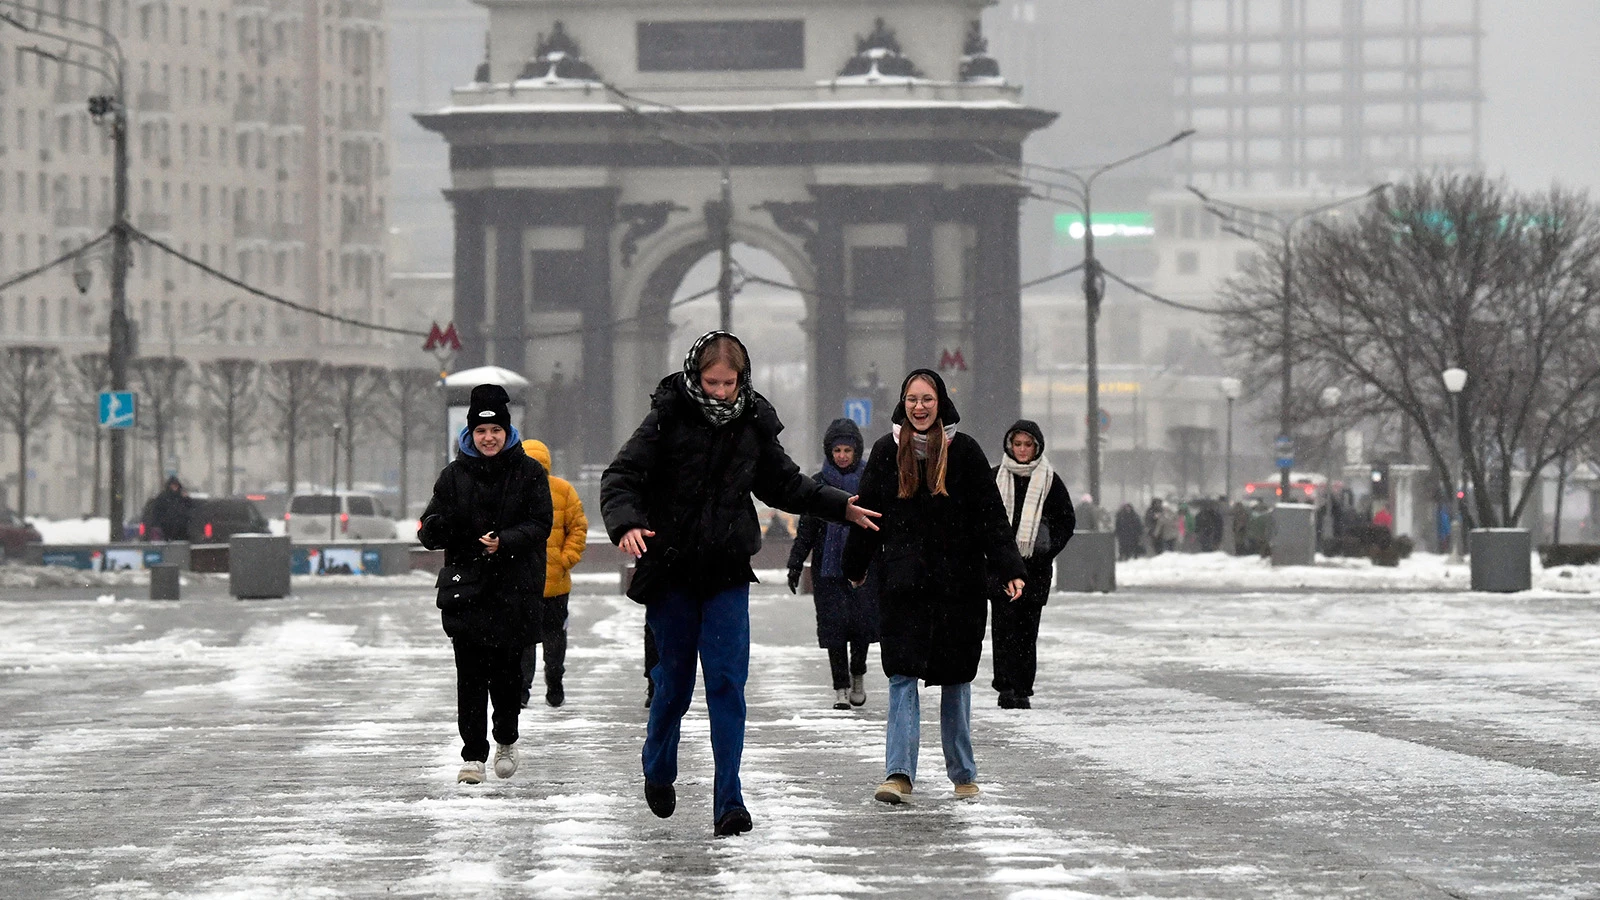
pixel 947 408
pixel 841 431
pixel 1028 427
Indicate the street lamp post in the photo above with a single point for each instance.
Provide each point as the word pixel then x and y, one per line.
pixel 114 109
pixel 1455 380
pixel 1283 228
pixel 1080 188
pixel 1231 388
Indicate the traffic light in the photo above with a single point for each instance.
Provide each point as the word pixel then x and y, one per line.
pixel 1380 482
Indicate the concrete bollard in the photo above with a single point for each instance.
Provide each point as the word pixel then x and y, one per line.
pixel 258 566
pixel 1502 559
pixel 1088 564
pixel 164 583
pixel 1294 534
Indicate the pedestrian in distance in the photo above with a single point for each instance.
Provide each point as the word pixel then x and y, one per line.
pixel 166 516
pixel 1042 521
pixel 569 532
pixel 847 617
pixel 1130 533
pixel 677 499
pixel 490 514
pixel 943 528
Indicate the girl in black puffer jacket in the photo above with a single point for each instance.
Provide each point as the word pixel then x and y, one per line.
pixel 677 498
pixel 491 515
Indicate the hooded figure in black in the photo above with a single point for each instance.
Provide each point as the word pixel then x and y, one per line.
pixel 943 528
pixel 166 516
pixel 847 617
pixel 1042 520
pixel 491 515
pixel 677 498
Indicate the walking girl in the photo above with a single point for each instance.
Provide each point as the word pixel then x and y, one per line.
pixel 677 498
pixel 490 514
pixel 569 531
pixel 943 526
pixel 1042 520
pixel 847 617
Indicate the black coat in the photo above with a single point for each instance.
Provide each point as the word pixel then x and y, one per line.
pixel 690 482
pixel 932 554
pixel 844 613
pixel 1057 520
pixel 508 493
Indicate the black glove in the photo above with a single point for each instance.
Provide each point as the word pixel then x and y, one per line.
pixel 794 581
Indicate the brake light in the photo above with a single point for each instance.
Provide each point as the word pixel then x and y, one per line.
pixel 1278 490
pixel 141 531
pixel 1249 489
pixel 1310 490
pixel 344 523
pixel 286 518
pixel 208 531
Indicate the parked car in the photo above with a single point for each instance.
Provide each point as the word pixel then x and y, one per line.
pixel 352 517
pixel 15 535
pixel 212 520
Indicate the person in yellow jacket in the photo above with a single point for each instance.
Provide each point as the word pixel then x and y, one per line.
pixel 569 531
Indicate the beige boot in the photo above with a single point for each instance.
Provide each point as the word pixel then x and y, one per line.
pixel 858 690
pixel 894 791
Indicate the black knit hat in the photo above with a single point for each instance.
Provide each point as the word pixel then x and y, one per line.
pixel 490 405
pixel 947 408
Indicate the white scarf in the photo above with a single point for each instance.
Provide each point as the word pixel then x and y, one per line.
pixel 1040 476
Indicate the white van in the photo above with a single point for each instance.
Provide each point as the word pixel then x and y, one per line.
pixel 351 517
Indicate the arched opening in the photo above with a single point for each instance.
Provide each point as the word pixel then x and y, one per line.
pixel 770 320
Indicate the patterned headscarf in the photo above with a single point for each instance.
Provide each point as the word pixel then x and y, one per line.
pixel 717 412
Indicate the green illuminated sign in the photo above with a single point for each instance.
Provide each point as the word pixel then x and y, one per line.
pixel 1107 225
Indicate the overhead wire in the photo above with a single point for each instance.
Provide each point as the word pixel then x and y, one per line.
pixel 40 270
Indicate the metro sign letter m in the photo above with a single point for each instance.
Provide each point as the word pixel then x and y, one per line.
pixel 445 339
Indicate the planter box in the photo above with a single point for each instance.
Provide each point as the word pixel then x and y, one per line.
pixel 1294 534
pixel 1502 559
pixel 1088 564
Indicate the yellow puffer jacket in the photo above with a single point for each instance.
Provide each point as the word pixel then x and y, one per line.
pixel 569 529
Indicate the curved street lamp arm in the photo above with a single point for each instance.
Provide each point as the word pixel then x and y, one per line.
pixel 110 78
pixel 1035 195
pixel 1373 192
pixel 1139 155
pixel 110 38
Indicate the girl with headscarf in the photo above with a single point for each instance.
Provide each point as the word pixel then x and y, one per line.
pixel 943 526
pixel 677 499
pixel 1041 515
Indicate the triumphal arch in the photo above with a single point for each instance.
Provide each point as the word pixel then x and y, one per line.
pixel 859 139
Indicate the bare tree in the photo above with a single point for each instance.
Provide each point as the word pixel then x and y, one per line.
pixel 416 408
pixel 231 391
pixel 91 374
pixel 27 397
pixel 1446 271
pixel 165 384
pixel 295 389
pixel 354 388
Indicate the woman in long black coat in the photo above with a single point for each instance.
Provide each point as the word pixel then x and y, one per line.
pixel 677 498
pixel 491 515
pixel 1042 519
pixel 943 527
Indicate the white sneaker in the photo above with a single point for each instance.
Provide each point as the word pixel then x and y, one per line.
pixel 471 773
pixel 841 699
pixel 505 760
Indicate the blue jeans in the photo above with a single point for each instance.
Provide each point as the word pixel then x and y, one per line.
pixel 716 628
pixel 904 731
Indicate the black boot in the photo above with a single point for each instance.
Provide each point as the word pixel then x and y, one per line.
pixel 663 799
pixel 554 694
pixel 1023 703
pixel 1008 700
pixel 734 821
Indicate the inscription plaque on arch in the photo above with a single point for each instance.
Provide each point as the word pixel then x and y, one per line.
pixel 746 45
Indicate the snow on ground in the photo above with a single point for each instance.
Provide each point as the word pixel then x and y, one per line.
pixel 1419 572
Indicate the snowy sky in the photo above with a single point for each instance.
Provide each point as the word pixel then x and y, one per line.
pixel 1541 76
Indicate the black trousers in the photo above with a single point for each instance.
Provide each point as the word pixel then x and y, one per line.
pixel 843 668
pixel 486 674
pixel 1016 645
pixel 553 631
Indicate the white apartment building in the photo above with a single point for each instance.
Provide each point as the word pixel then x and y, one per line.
pixel 257 146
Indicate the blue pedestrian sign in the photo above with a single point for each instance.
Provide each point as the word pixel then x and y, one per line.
pixel 1283 447
pixel 118 409
pixel 858 410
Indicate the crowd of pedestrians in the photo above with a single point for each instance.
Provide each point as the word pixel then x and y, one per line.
pixel 913 545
